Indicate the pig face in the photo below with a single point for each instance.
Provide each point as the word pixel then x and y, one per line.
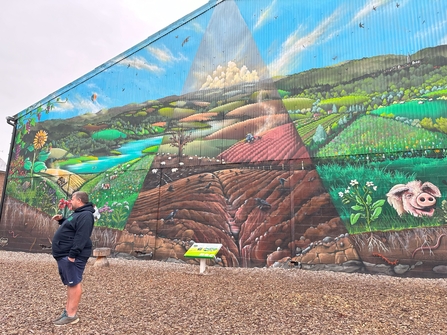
pixel 415 198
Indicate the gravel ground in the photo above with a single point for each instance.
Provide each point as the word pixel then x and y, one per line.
pixel 151 297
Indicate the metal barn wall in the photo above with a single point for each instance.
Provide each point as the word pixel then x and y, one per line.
pixel 306 134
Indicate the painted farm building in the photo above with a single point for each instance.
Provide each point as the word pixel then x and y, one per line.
pixel 308 134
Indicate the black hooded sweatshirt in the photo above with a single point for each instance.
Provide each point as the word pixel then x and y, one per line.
pixel 72 239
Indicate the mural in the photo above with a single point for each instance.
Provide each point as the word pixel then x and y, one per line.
pixel 302 134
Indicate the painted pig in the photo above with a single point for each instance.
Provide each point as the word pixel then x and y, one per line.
pixel 415 197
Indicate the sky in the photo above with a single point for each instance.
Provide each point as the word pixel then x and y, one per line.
pixel 48 44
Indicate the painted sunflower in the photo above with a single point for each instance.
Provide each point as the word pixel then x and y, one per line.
pixel 40 139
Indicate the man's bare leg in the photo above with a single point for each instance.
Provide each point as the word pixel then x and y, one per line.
pixel 73 298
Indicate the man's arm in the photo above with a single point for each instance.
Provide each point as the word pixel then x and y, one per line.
pixel 59 218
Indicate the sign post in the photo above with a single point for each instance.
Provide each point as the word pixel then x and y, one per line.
pixel 203 251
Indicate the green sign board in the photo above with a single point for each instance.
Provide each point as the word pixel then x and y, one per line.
pixel 203 250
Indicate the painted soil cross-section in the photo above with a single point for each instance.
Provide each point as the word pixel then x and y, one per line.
pixel 299 134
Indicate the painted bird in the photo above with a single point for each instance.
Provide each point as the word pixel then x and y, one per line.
pixel 171 215
pixel 262 204
pixel 282 181
pixel 186 40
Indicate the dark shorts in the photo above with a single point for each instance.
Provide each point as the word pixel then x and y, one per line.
pixel 71 272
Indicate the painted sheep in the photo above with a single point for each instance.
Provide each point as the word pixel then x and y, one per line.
pixel 415 198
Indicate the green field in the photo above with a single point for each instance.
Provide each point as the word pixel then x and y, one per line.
pixel 374 135
pixel 415 110
pixel 307 130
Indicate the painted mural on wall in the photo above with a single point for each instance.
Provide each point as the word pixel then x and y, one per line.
pixel 308 134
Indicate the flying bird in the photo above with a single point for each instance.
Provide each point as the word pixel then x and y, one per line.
pixel 93 97
pixel 374 7
pixel 397 4
pixel 186 40
pixel 361 25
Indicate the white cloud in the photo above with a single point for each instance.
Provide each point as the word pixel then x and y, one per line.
pixel 265 15
pixel 197 27
pixel 296 43
pixel 63 106
pixel 165 55
pixel 230 75
pixel 368 9
pixel 141 63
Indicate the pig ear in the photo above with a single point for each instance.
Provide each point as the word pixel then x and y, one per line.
pixel 397 190
pixel 431 188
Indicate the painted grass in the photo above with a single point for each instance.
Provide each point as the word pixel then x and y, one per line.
pixel 297 103
pixel 123 191
pixel 415 110
pixel 227 107
pixel 307 131
pixel 375 135
pixel 108 134
pixel 337 178
pixel 77 160
pixel 345 101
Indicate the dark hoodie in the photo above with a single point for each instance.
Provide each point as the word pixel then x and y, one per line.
pixel 72 239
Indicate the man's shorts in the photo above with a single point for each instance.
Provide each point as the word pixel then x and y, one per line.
pixel 71 272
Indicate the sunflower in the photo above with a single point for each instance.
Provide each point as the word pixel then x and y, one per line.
pixel 40 139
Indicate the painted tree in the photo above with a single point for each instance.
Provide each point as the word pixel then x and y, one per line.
pixel 320 134
pixel 179 139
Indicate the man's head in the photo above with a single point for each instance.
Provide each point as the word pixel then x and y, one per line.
pixel 78 199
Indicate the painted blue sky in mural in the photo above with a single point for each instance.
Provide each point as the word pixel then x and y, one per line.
pixel 321 34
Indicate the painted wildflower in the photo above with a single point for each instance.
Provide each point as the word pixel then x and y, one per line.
pixel 364 209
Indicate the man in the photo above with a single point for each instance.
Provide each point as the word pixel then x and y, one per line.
pixel 71 248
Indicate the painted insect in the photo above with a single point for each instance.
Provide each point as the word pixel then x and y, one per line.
pixel 392 263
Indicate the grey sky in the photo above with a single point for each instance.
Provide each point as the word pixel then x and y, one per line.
pixel 47 44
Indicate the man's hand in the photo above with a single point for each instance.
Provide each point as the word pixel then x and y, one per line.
pixel 71 259
pixel 57 217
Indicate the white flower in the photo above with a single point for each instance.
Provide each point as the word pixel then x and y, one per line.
pixel 174 170
pixel 369 183
pixel 181 163
pixel 354 182
pixel 154 171
pixel 375 188
pixel 340 194
pixel 347 190
pixel 162 163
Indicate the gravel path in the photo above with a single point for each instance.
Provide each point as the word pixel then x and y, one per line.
pixel 151 297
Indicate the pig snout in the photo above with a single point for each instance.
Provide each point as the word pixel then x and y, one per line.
pixel 425 200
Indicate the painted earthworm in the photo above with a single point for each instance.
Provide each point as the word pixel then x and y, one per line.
pixel 12 233
pixel 436 246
